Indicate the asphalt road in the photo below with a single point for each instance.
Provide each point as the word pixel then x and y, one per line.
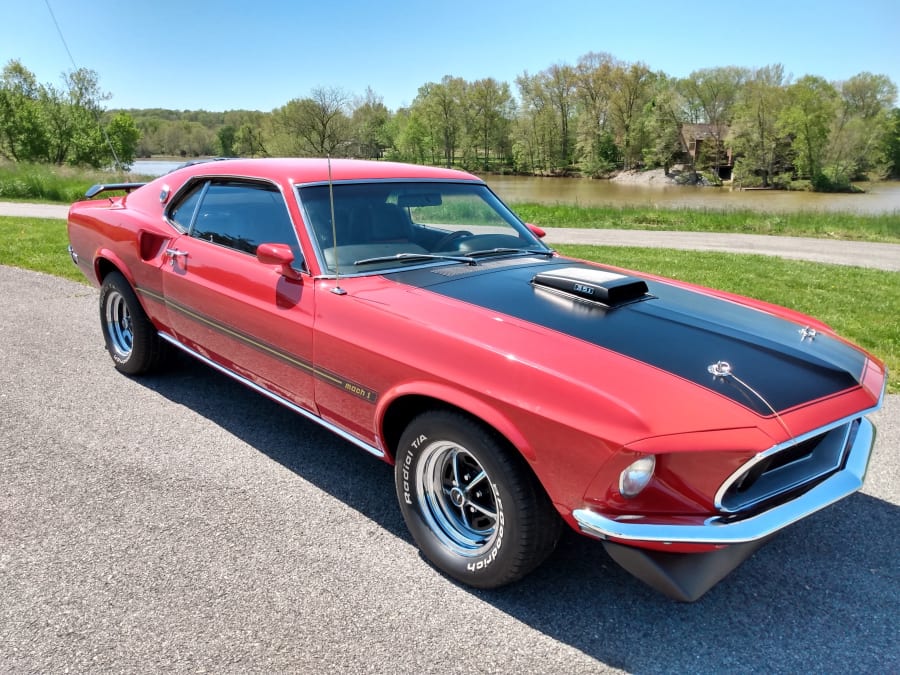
pixel 837 252
pixel 183 523
pixel 857 253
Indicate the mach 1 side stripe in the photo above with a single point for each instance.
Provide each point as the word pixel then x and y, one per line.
pixel 677 330
pixel 308 367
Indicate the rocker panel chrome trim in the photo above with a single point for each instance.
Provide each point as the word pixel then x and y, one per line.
pixel 275 397
pixel 718 531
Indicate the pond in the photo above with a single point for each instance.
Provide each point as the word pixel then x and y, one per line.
pixel 880 197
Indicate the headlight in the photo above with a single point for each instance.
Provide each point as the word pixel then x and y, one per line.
pixel 636 476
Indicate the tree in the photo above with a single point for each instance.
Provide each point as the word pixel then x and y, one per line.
pixel 491 105
pixel 712 93
pixel 559 83
pixel 248 131
pixel 891 144
pixel 369 126
pixel 225 137
pixel 123 135
pixel 78 136
pixel 248 141
pixel 317 125
pixel 664 115
pixel 807 119
pixel 410 141
pixel 861 124
pixel 441 106
pixel 630 91
pixel 43 123
pixel 187 139
pixel 869 96
pixel 23 130
pixel 595 143
pixel 548 105
pixel 536 128
pixel 755 134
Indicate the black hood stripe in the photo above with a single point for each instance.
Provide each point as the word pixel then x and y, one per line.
pixel 677 330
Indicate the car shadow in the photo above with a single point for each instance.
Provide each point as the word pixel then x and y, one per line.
pixel 822 596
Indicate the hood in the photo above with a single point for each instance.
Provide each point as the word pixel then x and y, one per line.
pixel 761 361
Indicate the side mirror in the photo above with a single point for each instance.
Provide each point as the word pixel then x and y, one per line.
pixel 278 254
pixel 536 231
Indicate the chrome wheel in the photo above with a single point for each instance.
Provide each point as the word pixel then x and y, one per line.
pixel 470 501
pixel 130 337
pixel 457 498
pixel 119 325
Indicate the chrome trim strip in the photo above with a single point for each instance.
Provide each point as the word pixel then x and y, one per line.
pixel 716 531
pixel 335 379
pixel 371 449
pixel 720 494
pixel 367 181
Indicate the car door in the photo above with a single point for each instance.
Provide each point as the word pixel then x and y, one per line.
pixel 225 304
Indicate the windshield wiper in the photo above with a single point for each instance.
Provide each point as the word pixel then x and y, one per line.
pixel 505 251
pixel 416 256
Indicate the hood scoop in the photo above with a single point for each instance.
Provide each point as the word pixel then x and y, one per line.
pixel 584 283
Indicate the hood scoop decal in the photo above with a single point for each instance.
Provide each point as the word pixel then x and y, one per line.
pixel 607 288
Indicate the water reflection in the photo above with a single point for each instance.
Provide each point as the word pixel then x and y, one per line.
pixel 880 197
pixel 154 167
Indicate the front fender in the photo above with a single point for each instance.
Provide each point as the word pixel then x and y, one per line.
pixel 473 405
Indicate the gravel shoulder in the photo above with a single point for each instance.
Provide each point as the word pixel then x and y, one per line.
pixel 184 523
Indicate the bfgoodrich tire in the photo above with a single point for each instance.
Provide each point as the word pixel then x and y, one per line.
pixel 471 503
pixel 131 339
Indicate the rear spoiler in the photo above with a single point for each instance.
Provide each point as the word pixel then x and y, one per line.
pixel 95 190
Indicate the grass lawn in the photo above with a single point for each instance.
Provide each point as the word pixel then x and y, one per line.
pixel 37 244
pixel 48 183
pixel 860 304
pixel 882 227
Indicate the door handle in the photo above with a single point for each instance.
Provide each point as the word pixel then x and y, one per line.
pixel 174 254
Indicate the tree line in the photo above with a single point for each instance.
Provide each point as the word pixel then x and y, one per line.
pixel 43 123
pixel 592 118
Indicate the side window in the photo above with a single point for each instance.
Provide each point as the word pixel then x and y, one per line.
pixel 182 214
pixel 243 215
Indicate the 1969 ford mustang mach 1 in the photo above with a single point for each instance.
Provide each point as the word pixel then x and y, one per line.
pixel 515 391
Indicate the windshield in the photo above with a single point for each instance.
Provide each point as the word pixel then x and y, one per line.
pixel 381 225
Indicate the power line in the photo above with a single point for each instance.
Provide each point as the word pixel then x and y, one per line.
pixel 75 66
pixel 61 36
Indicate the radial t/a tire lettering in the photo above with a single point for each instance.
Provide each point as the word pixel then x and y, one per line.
pixel 471 503
pixel 130 337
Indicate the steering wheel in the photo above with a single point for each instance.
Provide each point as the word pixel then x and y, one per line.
pixel 449 238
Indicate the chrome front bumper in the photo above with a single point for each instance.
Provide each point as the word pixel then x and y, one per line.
pixel 721 530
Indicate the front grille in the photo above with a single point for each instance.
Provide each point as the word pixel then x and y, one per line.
pixel 784 472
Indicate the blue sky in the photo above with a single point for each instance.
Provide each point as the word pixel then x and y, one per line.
pixel 225 54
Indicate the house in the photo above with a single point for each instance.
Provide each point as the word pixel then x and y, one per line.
pixel 700 141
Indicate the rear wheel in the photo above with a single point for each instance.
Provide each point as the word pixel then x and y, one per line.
pixel 131 339
pixel 472 505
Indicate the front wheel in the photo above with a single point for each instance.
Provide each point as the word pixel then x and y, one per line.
pixel 131 339
pixel 472 505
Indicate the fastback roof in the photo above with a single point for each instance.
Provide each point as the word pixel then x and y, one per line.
pixel 315 170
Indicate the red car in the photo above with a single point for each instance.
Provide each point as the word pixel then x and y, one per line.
pixel 410 311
